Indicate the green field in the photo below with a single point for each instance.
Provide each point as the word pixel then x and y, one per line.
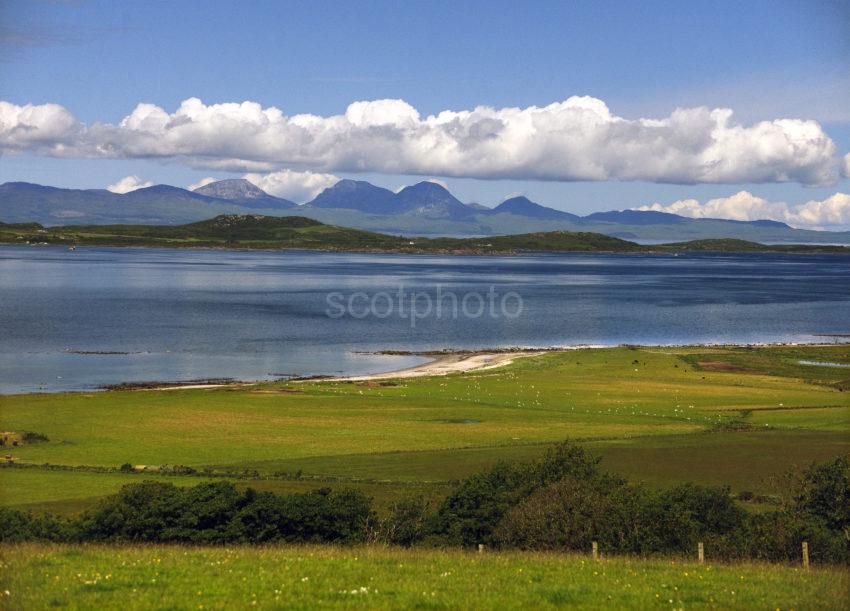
pixel 734 416
pixel 148 577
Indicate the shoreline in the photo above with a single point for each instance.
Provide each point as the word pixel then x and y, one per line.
pixel 443 362
pixel 802 248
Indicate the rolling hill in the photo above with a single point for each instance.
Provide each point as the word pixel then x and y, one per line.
pixel 296 232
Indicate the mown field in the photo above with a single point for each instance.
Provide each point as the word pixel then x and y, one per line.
pixel 147 577
pixel 732 416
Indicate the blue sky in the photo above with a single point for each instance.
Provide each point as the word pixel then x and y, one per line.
pixel 764 60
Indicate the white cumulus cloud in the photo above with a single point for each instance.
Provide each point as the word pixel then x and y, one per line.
pixel 575 139
pixel 832 212
pixel 295 186
pixel 201 183
pixel 49 128
pixel 845 166
pixel 129 183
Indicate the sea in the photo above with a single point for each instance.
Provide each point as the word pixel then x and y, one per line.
pixel 84 319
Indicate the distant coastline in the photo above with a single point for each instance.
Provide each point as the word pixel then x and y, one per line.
pixel 257 232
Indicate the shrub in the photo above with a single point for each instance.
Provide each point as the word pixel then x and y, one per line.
pixel 777 537
pixel 139 512
pixel 566 515
pixel 16 526
pixel 824 491
pixel 572 513
pixel 471 514
pixel 218 513
pixel 406 523
pixel 688 513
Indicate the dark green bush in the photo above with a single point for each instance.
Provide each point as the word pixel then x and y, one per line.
pixel 823 491
pixel 471 514
pixel 16 526
pixel 687 514
pixel 571 513
pixel 568 514
pixel 777 537
pixel 218 513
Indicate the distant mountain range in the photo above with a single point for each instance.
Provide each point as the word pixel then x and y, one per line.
pixel 423 209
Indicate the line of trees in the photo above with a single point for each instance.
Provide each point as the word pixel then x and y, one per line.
pixel 561 502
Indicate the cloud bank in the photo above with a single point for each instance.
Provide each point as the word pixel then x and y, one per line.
pixel 577 139
pixel 832 212
pixel 295 186
pixel 129 183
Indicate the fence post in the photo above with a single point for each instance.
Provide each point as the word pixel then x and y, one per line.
pixel 595 550
pixel 805 555
pixel 480 548
pixel 700 552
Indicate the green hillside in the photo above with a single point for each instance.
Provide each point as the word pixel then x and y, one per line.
pixel 734 245
pixel 252 231
pixel 274 232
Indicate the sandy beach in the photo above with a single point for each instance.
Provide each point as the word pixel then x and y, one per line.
pixel 445 364
pixel 442 364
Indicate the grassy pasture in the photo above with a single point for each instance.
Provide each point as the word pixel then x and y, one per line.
pixel 149 577
pixel 661 415
pixel 747 460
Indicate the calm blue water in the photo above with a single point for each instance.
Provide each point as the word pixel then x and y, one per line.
pixel 183 315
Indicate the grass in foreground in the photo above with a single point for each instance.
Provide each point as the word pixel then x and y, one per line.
pixel 174 577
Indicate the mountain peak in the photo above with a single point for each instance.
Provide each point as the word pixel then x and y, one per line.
pixel 356 195
pixel 159 189
pixel 232 189
pixel 522 206
pixel 519 200
pixel 245 193
pixel 433 200
pixel 427 188
pixel 349 184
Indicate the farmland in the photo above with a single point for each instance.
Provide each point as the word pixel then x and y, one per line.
pixel 724 415
pixel 719 416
